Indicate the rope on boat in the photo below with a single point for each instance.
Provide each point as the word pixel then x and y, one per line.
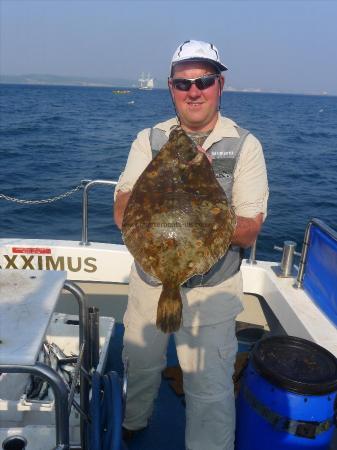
pixel 106 411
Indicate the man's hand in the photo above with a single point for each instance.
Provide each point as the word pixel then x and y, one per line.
pixel 202 150
pixel 121 202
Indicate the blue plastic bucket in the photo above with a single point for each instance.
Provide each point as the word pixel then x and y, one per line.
pixel 288 397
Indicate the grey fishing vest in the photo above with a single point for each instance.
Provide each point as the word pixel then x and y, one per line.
pixel 225 154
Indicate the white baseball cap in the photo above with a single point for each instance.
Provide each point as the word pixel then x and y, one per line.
pixel 197 51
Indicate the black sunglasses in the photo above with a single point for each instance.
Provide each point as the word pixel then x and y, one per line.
pixel 184 84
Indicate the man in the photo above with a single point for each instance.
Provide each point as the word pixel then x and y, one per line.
pixel 206 342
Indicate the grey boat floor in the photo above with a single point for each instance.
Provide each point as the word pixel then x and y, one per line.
pixel 166 429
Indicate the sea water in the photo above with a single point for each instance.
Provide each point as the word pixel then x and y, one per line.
pixel 52 137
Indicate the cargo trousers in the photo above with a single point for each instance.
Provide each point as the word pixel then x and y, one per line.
pixel 206 349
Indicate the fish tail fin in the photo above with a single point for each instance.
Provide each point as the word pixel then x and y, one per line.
pixel 170 307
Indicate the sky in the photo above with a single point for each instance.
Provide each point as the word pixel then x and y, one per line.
pixel 289 45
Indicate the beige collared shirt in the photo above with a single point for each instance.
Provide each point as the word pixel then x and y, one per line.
pixel 250 185
pixel 205 305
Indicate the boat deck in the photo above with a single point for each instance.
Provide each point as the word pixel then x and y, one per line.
pixel 166 429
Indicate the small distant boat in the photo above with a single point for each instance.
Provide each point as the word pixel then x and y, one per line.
pixel 119 91
pixel 146 82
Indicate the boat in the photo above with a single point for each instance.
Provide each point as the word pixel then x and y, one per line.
pixel 282 299
pixel 121 91
pixel 146 82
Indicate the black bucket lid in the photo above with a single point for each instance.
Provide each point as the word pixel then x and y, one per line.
pixel 250 335
pixel 296 365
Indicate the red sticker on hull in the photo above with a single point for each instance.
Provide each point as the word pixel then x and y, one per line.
pixel 32 250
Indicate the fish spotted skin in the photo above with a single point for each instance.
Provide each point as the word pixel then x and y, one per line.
pixel 177 222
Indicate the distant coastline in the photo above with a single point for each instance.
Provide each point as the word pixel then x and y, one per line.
pixel 50 80
pixel 56 80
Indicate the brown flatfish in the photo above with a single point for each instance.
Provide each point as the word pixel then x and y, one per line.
pixel 177 222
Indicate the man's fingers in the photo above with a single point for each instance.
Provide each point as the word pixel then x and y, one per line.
pixel 202 150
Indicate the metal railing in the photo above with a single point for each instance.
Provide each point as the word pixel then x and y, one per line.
pixel 83 359
pixel 252 256
pixel 64 397
pixel 329 231
pixel 60 394
pixel 88 185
